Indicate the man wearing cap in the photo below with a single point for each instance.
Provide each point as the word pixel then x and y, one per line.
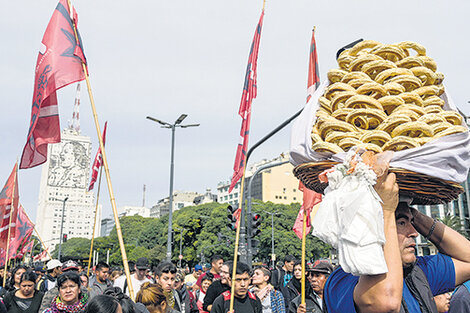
pixel 40 282
pixel 54 269
pixel 411 282
pixel 316 276
pixel 191 279
pixel 138 278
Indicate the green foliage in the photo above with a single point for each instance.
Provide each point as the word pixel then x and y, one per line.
pixel 201 230
pixel 454 222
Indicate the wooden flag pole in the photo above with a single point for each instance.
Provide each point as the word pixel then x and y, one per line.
pixel 39 236
pixel 304 239
pixel 94 224
pixel 9 225
pixel 106 170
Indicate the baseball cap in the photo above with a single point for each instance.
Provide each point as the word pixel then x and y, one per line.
pixel 321 267
pixel 69 265
pixel 41 269
pixel 142 263
pixel 198 267
pixel 52 264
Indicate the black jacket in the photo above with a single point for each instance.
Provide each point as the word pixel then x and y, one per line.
pixel 310 300
pixel 11 304
pixel 214 290
pixel 222 303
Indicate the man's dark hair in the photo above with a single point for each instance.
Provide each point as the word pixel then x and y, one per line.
pixel 72 276
pixel 242 268
pixel 165 267
pixel 101 265
pixel 28 276
pixel 289 258
pixel 266 271
pixel 297 262
pixel 215 258
pixel 102 304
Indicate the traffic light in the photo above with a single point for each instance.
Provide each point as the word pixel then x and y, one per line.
pixel 232 220
pixel 255 223
pixel 64 238
pixel 255 246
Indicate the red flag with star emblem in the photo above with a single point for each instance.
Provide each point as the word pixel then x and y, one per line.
pixel 59 64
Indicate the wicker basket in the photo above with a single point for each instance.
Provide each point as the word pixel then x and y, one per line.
pixel 424 189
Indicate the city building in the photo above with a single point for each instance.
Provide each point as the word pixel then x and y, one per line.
pixel 276 184
pixel 134 210
pixel 181 199
pixel 64 188
pixel 107 225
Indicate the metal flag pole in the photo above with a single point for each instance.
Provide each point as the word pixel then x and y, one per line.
pixel 12 206
pixel 94 224
pixel 106 170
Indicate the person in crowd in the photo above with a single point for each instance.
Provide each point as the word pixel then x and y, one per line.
pixel 271 299
pixel 103 304
pixel 127 305
pixel 84 280
pixel 54 269
pixel 201 293
pixel 443 302
pixel 115 273
pixel 80 267
pixel 154 298
pixel 13 283
pixel 411 282
pixel 40 273
pixel 26 299
pixel 101 282
pixel 138 276
pixel 187 300
pixel 281 276
pixel 216 262
pixel 217 287
pixel 191 279
pixel 316 279
pixel 165 275
pixel 70 299
pixel 460 301
pixel 244 300
pixel 292 289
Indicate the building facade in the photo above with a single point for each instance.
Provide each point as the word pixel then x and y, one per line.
pixel 181 199
pixel 63 188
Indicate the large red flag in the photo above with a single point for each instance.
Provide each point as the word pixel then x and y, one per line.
pixel 25 249
pixel 249 93
pixel 59 64
pixel 313 76
pixel 98 160
pixel 310 199
pixel 9 205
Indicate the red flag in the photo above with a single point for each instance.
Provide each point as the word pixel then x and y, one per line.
pixel 26 248
pixel 310 199
pixel 313 76
pixel 97 162
pixel 41 256
pixel 7 198
pixel 59 64
pixel 249 93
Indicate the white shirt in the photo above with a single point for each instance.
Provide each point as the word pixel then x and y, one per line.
pixel 136 284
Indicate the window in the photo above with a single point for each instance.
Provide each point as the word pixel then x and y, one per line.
pixel 293 190
pixel 285 198
pixel 295 199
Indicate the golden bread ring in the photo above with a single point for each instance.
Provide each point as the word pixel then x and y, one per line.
pixel 434 100
pixel 432 118
pixel 437 128
pixel 433 109
pixel 439 78
pixel 412 97
pixel 344 60
pixel 377 137
pixel 394 89
pixel 347 143
pixel 372 89
pixel 392 122
pixel 366 44
pixel 390 103
pixel 340 98
pixel 333 89
pixel 423 140
pixel 326 147
pixel 325 104
pixel 362 101
pixel 405 45
pixel 400 143
pixel 333 124
pixel 409 82
pixel 389 52
pixel 357 64
pixel 335 137
pixel 410 62
pixel 341 113
pixel 392 72
pixel 451 130
pixel 427 91
pixel 335 75
pixel 413 129
pixel 427 76
pixel 315 138
pixel 410 113
pixel 452 117
pixel 428 62
pixel 373 68
pixel 356 83
pixel 411 107
pixel 354 75
pixel 373 118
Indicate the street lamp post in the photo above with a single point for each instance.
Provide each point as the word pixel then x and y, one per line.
pixel 273 256
pixel 173 126
pixel 62 227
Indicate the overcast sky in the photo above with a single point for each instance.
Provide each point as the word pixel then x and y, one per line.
pixel 164 58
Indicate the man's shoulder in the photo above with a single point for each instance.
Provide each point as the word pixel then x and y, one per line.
pixel 339 291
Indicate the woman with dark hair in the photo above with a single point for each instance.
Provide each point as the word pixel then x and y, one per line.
pixel 14 281
pixel 126 303
pixel 200 294
pixel 103 304
pixel 26 299
pixel 70 298
pixel 293 287
pixel 84 280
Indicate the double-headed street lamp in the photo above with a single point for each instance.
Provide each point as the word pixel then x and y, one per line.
pixel 173 126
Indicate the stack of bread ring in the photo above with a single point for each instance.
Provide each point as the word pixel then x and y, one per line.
pixel 383 97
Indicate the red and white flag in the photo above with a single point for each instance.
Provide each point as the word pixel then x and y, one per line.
pixel 313 76
pixel 98 161
pixel 59 64
pixel 310 199
pixel 9 199
pixel 41 256
pixel 249 93
pixel 26 248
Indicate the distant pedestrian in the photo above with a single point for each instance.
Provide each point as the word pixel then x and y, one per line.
pixel 138 276
pixel 102 282
pixel 214 273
